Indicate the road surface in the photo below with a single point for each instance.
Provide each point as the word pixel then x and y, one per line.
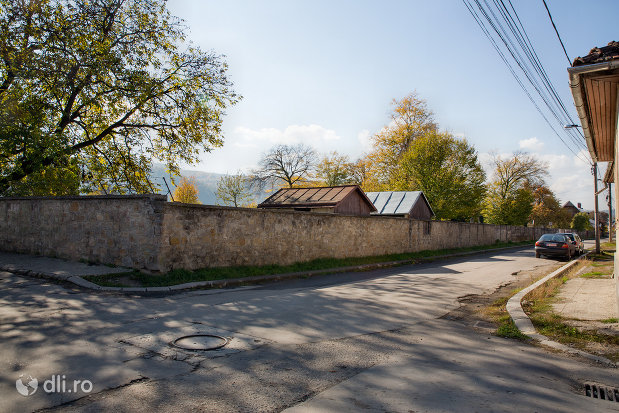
pixel 368 341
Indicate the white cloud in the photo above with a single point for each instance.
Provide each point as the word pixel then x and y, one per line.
pixel 313 135
pixel 532 144
pixel 364 139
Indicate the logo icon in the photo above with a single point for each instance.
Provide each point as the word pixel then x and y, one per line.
pixel 28 388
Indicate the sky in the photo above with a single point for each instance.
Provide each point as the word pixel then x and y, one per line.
pixel 324 73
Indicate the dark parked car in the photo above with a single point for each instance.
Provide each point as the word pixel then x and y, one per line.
pixel 580 246
pixel 555 245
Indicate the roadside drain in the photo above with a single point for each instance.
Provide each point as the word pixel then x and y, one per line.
pixel 602 392
pixel 204 342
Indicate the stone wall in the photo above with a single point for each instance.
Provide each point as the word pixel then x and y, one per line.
pixel 202 236
pixel 119 230
pixel 146 232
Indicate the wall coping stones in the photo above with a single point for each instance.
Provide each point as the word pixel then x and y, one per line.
pixel 152 197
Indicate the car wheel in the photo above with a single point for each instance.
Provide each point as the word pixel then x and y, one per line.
pixel 537 254
pixel 569 254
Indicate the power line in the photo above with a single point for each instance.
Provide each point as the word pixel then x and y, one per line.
pixel 510 32
pixel 557 32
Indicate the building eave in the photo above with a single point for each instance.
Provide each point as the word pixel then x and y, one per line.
pixel 579 93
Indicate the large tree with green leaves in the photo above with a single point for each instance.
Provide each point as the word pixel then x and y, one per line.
pixel 335 169
pixel 448 172
pixel 510 198
pixel 547 211
pixel 581 222
pixel 92 91
pixel 410 119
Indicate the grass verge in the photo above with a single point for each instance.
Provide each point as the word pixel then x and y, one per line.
pixel 175 277
pixel 538 305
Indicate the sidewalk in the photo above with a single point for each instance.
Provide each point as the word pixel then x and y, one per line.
pixel 590 301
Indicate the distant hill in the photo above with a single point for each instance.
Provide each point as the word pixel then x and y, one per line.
pixel 205 181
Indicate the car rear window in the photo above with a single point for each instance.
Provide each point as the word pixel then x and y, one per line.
pixel 553 237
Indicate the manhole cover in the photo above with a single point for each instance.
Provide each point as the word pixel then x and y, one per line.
pixel 200 342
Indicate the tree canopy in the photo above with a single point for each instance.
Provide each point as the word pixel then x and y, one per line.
pixel 547 210
pixel 410 154
pixel 509 200
pixel 187 191
pixel 233 190
pixel 581 222
pixel 410 119
pixel 335 169
pixel 448 172
pixel 92 92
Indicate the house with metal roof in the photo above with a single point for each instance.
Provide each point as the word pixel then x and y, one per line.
pixel 345 199
pixel 409 204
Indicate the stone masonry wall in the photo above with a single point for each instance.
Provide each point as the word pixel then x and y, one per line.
pixel 119 230
pixel 146 232
pixel 205 236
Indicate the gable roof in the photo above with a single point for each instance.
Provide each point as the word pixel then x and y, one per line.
pixel 569 204
pixel 328 196
pixel 397 202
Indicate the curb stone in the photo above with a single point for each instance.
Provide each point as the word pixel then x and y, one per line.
pixel 524 324
pixel 81 282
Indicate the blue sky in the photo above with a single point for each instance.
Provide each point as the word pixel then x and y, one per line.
pixel 324 73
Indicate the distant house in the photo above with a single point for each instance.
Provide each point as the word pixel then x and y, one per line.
pixel 573 209
pixel 410 204
pixel 346 199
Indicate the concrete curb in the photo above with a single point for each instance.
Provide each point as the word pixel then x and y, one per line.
pixel 81 282
pixel 524 324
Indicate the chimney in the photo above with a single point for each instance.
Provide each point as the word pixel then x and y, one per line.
pixel 579 205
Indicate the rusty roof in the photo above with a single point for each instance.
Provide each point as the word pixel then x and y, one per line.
pixel 599 55
pixel 328 196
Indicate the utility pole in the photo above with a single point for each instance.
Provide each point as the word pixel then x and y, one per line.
pixel 595 212
pixel 610 212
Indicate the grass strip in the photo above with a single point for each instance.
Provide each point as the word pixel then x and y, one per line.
pixel 175 277
pixel 538 305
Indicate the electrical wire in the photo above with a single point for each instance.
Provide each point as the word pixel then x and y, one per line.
pixel 557 32
pixel 509 31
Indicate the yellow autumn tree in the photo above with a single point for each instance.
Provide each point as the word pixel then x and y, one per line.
pixel 187 191
pixel 411 119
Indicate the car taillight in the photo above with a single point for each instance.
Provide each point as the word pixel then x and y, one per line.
pixel 565 246
pixel 538 244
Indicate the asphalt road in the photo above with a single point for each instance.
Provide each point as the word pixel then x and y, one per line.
pixel 372 341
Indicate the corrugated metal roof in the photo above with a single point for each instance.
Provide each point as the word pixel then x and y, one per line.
pixel 308 197
pixel 394 202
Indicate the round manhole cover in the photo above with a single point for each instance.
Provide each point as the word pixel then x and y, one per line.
pixel 200 342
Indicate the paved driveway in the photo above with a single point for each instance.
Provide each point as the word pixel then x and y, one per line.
pixel 344 342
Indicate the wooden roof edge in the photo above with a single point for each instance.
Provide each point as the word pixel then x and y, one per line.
pixel 364 196
pixel 609 175
pixel 427 203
